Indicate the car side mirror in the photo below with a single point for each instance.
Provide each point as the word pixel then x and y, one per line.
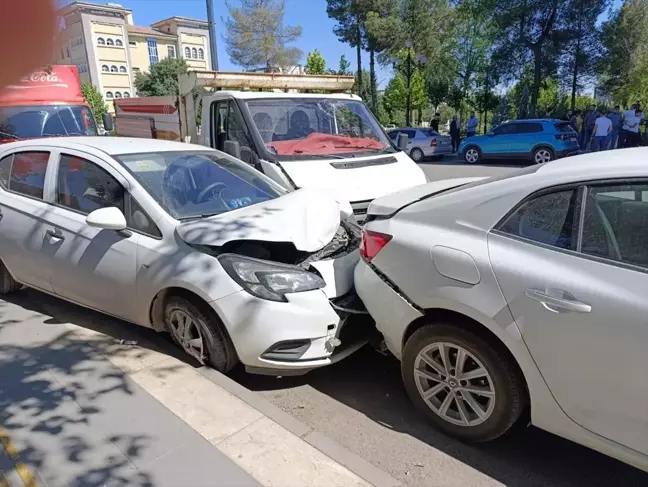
pixel 402 141
pixel 490 134
pixel 110 218
pixel 107 120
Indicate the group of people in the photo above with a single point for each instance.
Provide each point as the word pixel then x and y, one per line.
pixel 599 131
pixel 455 128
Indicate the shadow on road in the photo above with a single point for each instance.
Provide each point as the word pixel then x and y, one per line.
pixel 371 384
pixel 58 395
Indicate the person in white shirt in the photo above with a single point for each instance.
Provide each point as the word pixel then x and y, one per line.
pixel 471 126
pixel 602 128
pixel 631 121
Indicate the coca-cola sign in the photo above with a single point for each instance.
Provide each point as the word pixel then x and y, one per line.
pixel 41 77
pixel 49 84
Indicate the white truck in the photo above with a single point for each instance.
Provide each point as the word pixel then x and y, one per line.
pixel 325 139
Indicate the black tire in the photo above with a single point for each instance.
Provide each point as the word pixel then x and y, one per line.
pixel 543 150
pixel 467 154
pixel 221 354
pixel 416 154
pixel 510 392
pixel 8 284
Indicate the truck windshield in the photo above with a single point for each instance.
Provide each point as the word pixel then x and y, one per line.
pixel 24 122
pixel 303 127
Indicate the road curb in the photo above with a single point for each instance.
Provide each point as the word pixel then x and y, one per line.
pixel 359 466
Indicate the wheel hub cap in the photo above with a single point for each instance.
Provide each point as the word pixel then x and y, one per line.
pixel 454 384
pixel 187 333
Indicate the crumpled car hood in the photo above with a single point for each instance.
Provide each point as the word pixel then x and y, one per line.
pixel 308 218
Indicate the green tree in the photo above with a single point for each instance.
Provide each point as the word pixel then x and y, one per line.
pixel 394 99
pixel 257 37
pixel 162 80
pixel 315 63
pixel 344 67
pixel 438 89
pixel 349 29
pixel 95 99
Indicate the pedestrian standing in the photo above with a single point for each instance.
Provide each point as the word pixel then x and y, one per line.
pixel 455 133
pixel 624 134
pixel 615 117
pixel 589 120
pixel 631 121
pixel 601 132
pixel 471 126
pixel 434 123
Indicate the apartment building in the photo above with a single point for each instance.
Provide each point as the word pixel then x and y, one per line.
pixel 109 49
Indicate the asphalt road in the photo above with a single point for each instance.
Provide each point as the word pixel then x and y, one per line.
pixel 361 404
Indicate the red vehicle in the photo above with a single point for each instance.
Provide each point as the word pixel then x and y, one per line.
pixel 44 104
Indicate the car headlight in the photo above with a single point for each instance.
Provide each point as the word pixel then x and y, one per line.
pixel 269 280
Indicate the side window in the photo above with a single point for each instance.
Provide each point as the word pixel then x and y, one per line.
pixel 5 170
pixel 393 135
pixel 138 220
pixel 528 128
pixel 504 129
pixel 28 173
pixel 550 219
pixel 615 224
pixel 83 186
pixel 411 134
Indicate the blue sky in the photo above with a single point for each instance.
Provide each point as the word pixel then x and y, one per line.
pixel 310 14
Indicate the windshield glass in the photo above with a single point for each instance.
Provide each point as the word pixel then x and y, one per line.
pixel 197 184
pixel 302 127
pixel 22 122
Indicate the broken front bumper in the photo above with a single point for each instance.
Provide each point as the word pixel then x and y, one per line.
pixel 308 332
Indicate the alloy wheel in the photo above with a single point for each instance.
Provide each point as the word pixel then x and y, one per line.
pixel 454 384
pixel 542 156
pixel 188 334
pixel 416 155
pixel 472 155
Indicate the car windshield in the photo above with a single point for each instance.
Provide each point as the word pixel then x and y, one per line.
pixel 198 184
pixel 24 122
pixel 301 127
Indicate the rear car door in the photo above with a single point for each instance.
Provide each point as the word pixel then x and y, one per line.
pixel 24 215
pixel 572 264
pixel 93 267
pixel 524 139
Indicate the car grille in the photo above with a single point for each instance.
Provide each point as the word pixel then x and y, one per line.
pixel 360 210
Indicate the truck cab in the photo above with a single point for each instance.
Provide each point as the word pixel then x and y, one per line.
pixel 286 126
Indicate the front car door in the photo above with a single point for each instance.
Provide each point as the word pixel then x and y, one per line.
pixel 498 144
pixel 572 264
pixel 90 266
pixel 24 215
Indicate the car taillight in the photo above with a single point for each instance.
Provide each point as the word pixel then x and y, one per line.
pixel 433 143
pixel 372 243
pixel 565 136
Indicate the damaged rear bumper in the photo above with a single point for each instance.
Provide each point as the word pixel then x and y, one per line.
pixel 308 332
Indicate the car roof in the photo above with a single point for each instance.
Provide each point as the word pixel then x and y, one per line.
pixel 110 145
pixel 537 120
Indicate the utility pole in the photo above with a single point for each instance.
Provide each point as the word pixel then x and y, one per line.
pixel 213 51
pixel 408 103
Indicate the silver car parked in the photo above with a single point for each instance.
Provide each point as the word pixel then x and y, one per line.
pixel 423 142
pixel 523 294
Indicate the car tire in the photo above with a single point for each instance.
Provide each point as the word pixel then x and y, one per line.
pixel 542 155
pixel 500 412
pixel 216 349
pixel 472 154
pixel 8 284
pixel 416 154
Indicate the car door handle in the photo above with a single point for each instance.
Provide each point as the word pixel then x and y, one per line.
pixel 55 233
pixel 548 300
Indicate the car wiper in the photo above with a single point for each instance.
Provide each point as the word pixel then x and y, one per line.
pixel 9 135
pixel 321 156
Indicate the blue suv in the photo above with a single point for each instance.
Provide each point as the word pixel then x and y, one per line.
pixel 540 140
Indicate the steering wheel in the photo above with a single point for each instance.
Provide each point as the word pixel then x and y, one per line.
pixel 211 191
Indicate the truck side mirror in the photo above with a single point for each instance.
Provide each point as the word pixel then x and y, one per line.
pixel 107 120
pixel 402 141
pixel 233 148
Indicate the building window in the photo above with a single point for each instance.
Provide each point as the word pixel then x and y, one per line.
pixel 105 68
pixel 118 94
pixel 194 53
pixel 171 52
pixel 122 69
pixel 132 43
pixel 187 52
pixel 110 42
pixel 67 52
pixel 153 51
pixel 109 95
pixel 136 70
pixel 101 41
pixel 113 69
pixel 119 43
pixel 201 54
pixel 126 94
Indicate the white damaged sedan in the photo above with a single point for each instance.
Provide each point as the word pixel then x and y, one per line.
pixel 183 239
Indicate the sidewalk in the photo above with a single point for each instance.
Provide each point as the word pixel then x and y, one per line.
pixel 78 408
